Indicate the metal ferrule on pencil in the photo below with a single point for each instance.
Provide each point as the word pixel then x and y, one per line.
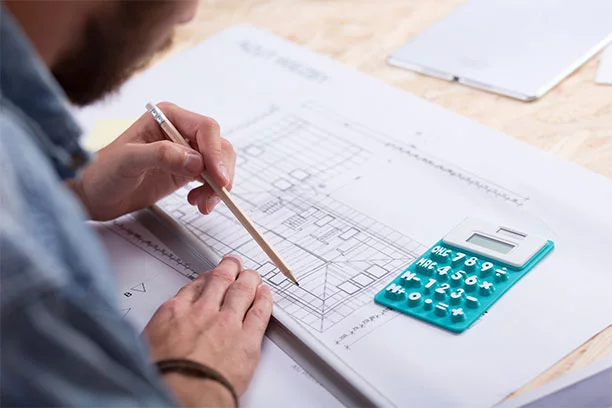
pixel 157 113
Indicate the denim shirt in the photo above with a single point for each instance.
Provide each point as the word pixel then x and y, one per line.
pixel 62 338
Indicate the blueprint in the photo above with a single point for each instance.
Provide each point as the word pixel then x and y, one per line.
pixel 148 274
pixel 350 180
pixel 341 256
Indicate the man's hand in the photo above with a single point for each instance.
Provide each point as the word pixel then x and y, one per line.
pixel 141 166
pixel 217 320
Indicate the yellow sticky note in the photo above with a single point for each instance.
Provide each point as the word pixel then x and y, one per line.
pixel 105 131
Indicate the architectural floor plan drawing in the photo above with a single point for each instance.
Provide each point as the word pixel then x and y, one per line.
pixel 148 273
pixel 341 257
pixel 415 152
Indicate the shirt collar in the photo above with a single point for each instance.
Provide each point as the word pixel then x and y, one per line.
pixel 27 84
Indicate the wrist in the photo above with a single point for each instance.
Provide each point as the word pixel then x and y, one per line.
pixel 193 391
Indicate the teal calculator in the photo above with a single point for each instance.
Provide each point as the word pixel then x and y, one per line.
pixel 461 276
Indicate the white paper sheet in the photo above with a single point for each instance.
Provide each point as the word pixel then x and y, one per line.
pixel 604 73
pixel 148 274
pixel 351 179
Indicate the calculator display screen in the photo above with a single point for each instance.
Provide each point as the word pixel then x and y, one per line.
pixel 490 243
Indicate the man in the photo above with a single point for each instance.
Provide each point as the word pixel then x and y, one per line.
pixel 63 341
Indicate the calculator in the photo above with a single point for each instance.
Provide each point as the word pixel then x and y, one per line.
pixel 461 276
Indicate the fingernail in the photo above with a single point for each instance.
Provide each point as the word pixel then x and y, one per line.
pixel 237 258
pixel 263 286
pixel 211 203
pixel 191 200
pixel 193 163
pixel 224 171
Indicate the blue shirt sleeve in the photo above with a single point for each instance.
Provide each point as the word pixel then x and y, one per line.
pixel 62 339
pixel 59 348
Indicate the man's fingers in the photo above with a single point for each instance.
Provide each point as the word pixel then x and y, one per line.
pixel 258 316
pixel 240 295
pixel 208 136
pixel 229 158
pixel 218 280
pixel 162 155
pixel 204 198
pixel 192 291
pixel 206 132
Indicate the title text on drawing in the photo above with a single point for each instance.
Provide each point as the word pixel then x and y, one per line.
pixel 293 66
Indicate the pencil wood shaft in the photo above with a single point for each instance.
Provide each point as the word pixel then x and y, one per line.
pixel 172 132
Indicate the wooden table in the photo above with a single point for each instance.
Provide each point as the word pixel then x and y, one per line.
pixel 573 121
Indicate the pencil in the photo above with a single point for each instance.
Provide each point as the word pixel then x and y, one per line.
pixel 173 134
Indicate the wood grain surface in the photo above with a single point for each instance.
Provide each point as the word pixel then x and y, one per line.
pixel 573 121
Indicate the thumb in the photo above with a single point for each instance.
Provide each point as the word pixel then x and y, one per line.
pixel 164 155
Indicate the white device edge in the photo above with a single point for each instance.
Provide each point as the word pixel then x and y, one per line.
pixel 421 69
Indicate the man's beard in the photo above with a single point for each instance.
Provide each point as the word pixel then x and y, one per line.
pixel 112 49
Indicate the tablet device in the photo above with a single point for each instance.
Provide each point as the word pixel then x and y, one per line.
pixel 518 48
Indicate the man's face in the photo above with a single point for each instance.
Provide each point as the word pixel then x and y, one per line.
pixel 116 43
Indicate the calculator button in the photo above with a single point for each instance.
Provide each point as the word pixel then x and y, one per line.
pixel 456 278
pixel 458 258
pixel 486 288
pixel 470 283
pixel 457 315
pixel 429 286
pixel 470 264
pixel 428 304
pixel 471 302
pixel 455 297
pixel 440 254
pixel 441 309
pixel 440 294
pixel 395 292
pixel 414 299
pixel 410 280
pixel 426 266
pixel 486 269
pixel 501 275
pixel 442 274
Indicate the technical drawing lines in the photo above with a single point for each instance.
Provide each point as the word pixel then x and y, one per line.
pixel 152 248
pixel 270 111
pixel 340 256
pixel 124 312
pixel 422 156
pixel 291 151
pixel 343 257
pixel 139 288
pixel 463 175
